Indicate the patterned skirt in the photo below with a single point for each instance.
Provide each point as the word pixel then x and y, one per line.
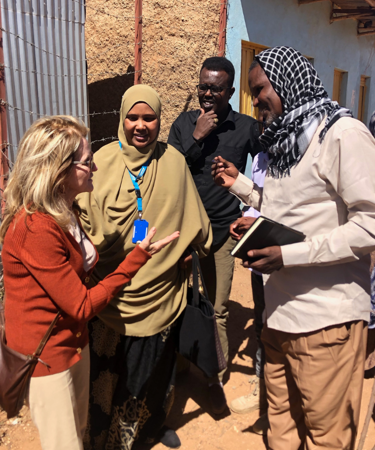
pixel 131 386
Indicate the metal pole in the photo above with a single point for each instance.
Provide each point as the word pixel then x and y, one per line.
pixel 138 43
pixel 4 161
pixel 223 27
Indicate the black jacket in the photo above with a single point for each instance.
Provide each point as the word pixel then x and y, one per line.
pixel 234 140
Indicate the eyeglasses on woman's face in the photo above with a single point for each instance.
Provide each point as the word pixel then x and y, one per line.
pixel 89 162
pixel 81 180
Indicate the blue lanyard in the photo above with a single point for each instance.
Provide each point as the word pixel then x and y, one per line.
pixel 136 185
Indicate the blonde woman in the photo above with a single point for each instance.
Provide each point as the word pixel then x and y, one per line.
pixel 48 260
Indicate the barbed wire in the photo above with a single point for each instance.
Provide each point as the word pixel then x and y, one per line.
pixel 104 112
pixel 83 116
pixel 43 15
pixel 192 5
pixel 87 59
pixel 113 73
pixel 8 105
pixel 93 114
pixel 102 11
pixel 182 30
pixel 178 16
pixel 178 28
pixel 113 138
pixel 88 75
pixel 11 163
pixel 133 16
pixel 35 72
pixel 106 51
pixel 191 84
pixel 60 56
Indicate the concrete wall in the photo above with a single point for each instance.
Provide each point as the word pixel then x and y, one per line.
pixel 307 29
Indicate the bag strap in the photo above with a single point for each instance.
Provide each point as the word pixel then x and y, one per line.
pixel 45 338
pixel 2 322
pixel 196 269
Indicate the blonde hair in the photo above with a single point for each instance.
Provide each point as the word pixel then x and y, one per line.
pixel 44 159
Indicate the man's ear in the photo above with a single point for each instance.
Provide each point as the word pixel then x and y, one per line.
pixel 231 92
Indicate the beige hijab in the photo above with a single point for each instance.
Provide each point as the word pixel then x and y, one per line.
pixel 135 158
pixel 156 296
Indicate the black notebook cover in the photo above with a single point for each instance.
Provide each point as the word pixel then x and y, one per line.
pixel 265 233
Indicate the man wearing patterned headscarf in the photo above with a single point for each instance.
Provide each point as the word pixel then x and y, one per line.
pixel 320 181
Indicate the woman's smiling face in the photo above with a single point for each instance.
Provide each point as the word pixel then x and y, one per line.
pixel 141 126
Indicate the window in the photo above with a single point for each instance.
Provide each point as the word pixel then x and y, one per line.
pixel 249 51
pixel 340 78
pixel 362 97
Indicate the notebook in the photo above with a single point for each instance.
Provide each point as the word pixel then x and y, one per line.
pixel 263 233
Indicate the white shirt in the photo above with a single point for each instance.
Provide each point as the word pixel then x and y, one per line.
pixel 258 174
pixel 87 248
pixel 329 196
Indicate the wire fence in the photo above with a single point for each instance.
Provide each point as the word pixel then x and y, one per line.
pixel 176 40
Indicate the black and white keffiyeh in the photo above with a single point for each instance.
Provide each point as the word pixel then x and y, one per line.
pixel 305 104
pixel 371 125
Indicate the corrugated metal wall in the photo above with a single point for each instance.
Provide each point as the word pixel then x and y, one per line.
pixel 44 59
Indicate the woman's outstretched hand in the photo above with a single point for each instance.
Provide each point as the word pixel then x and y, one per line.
pixel 155 247
pixel 224 172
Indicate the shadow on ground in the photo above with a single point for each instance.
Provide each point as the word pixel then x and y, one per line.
pixel 192 384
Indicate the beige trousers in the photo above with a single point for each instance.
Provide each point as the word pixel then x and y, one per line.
pixel 314 386
pixel 217 270
pixel 59 405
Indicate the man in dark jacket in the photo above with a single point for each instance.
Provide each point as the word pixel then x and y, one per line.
pixel 201 135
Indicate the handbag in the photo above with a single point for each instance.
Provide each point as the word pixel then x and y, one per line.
pixel 198 338
pixel 16 369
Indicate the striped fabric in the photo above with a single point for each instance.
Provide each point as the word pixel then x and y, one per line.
pixel 305 104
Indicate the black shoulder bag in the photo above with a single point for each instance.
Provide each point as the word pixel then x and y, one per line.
pixel 198 336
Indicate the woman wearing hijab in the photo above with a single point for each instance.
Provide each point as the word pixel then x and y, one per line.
pixel 133 349
pixel 48 260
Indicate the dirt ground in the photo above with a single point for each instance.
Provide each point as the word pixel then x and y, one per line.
pixel 190 416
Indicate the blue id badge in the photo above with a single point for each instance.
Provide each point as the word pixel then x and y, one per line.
pixel 140 230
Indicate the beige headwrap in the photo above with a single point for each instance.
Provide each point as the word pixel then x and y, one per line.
pixel 134 158
pixel 156 296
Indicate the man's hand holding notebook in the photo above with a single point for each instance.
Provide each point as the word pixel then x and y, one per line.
pixel 259 246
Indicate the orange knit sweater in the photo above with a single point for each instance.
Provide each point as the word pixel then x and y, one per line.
pixel 43 272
